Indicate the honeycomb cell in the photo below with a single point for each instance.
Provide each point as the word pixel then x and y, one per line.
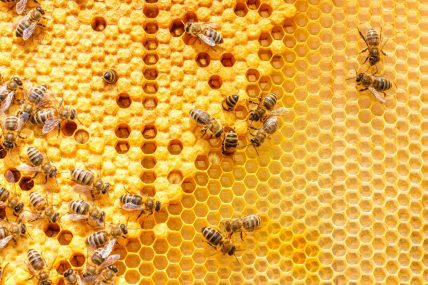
pixel 175 147
pixel 188 185
pixel 150 73
pixel 132 277
pixel 149 147
pixel 150 103
pixel 265 54
pixel 148 162
pixel 176 28
pixel 150 59
pixel 63 266
pixel 122 131
pixel 151 11
pixel 12 175
pixel 151 27
pixel 215 82
pixel 227 60
pixel 149 131
pixel 98 23
pixel 150 44
pixel 265 10
pixel 252 75
pixel 277 33
pixel 26 183
pixel 123 100
pixel 52 229
pixel 148 177
pixel 77 259
pixel 253 4
pixel 203 59
pixel 68 128
pixel 122 147
pixel 265 39
pixel 175 177
pixel 150 87
pixel 65 237
pixel 81 136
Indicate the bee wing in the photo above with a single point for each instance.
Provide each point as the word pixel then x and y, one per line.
pixel 29 216
pixel 207 40
pixel 132 207
pixel 7 102
pixel 28 32
pixel 211 25
pixel 82 188
pixel 5 241
pixel 75 217
pixel 109 261
pixel 50 124
pixel 89 278
pixel 28 168
pixel 20 6
pixel 108 248
pixel 3 89
pixel 280 111
pixel 79 280
pixel 377 94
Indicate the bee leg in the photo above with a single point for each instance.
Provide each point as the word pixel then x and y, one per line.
pixel 139 215
pixel 364 89
pixel 364 50
pixel 367 58
pixel 35 175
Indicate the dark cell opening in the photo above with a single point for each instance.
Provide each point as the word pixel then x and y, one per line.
pixel 98 23
pixel 123 100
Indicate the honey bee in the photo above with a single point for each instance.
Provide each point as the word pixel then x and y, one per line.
pixel 27 25
pixel 207 121
pixel 20 5
pixel 110 76
pixel 87 183
pixel 11 201
pixel 71 278
pixel 82 211
pixel 36 158
pixel 229 102
pixel 8 91
pixel 107 276
pixel 36 265
pixel 375 84
pixel 118 230
pixel 145 204
pixel 218 241
pixel 97 239
pixel 270 125
pixel 266 106
pixel 41 208
pixel 15 231
pixel 373 42
pixel 36 98
pixel 248 224
pixel 230 143
pixel 205 32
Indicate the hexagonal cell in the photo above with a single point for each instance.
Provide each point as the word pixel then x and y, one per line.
pixel 203 59
pixel 150 103
pixel 12 175
pixel 253 91
pixel 265 39
pixel 215 82
pixel 151 59
pixel 122 131
pixel 175 147
pixel 148 177
pixel 151 27
pixel 63 266
pixel 227 60
pixel 201 179
pixel 122 147
pixel 150 43
pixel 188 185
pixel 265 54
pixel 265 10
pixel 150 87
pixel 240 9
pixel 123 100
pixel 26 183
pixel 252 75
pixel 151 11
pixel 149 147
pixel 150 73
pixel 51 229
pixel 98 23
pixel 241 112
pixel 175 177
pixel 81 136
pixel 190 17
pixel 201 162
pixel 65 237
pixel 176 28
pixel 277 33
pixel 77 259
pixel 265 83
pixel 133 245
pixel 277 61
pixel 68 128
pixel 148 190
pixel 149 131
pixel 253 4
pixel 148 162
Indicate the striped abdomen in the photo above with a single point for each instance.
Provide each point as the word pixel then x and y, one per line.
pixel 230 102
pixel 4 194
pixel 212 236
pixel 201 117
pixel 35 259
pixel 37 94
pixel 8 1
pixel 372 37
pixel 213 34
pixel 251 222
pixel 97 239
pixel 270 101
pixel 22 26
pixel 83 177
pixel 79 207
pixel 230 142
pixel 42 116
pixel 132 199
pixel 35 156
pixel 3 232
pixel 11 123
pixel 381 84
pixel 37 201
pixel 110 76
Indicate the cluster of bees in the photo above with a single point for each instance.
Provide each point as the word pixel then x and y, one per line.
pixel 376 85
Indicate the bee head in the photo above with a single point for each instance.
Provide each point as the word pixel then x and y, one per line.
pixel 124 229
pixel 107 75
pixel 40 10
pixel 232 249
pixel 18 208
pixel 360 77
pixel 112 268
pixel 105 188
pixel 68 272
pixel 53 171
pixel 23 229
pixel 235 97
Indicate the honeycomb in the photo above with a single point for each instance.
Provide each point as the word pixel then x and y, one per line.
pixel 338 186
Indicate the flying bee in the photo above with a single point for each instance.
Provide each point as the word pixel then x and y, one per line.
pixel 41 209
pixel 205 32
pixel 229 102
pixel 27 25
pixel 218 241
pixel 373 41
pixel 145 204
pixel 87 183
pixel 207 121
pixel 71 278
pixel 36 159
pixel 8 91
pixel 375 84
pixel 20 5
pixel 248 223
pixel 270 125
pixel 82 211
pixel 230 142
pixel 15 231
pixel 36 265
pixel 110 76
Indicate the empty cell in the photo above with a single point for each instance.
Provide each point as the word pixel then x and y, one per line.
pixel 227 60
pixel 151 27
pixel 202 59
pixel 188 185
pixel 148 177
pixel 149 147
pixel 252 75
pixel 81 136
pixel 150 87
pixel 148 162
pixel 77 259
pixel 201 162
pixel 68 128
pixel 132 277
pixel 277 33
pixel 175 147
pixel 12 175
pixel 148 190
pixel 150 43
pixel 240 9
pixel 176 28
pixel 265 54
pixel 253 91
pixel 122 147
pixel 201 179
pixel 123 100
pixel 63 266
pixel 241 112
pixel 26 183
pixel 51 229
pixel 150 103
pixel 98 23
pixel 122 131
pixel 265 10
pixel 265 39
pixel 151 11
pixel 277 61
pixel 132 260
pixel 215 82
pixel 190 17
pixel 151 59
pixel 150 73
pixel 149 131
pixel 175 177
pixel 253 4
pixel 265 83
pixel 65 237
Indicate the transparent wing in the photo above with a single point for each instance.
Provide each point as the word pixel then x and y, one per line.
pixel 20 6
pixel 377 94
pixel 82 188
pixel 280 111
pixel 28 216
pixel 132 207
pixel 211 25
pixel 50 124
pixel 3 90
pixel 89 278
pixel 75 217
pixel 209 41
pixel 5 241
pixel 108 248
pixel 28 168
pixel 109 261
pixel 7 102
pixel 22 120
pixel 79 280
pixel 28 32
